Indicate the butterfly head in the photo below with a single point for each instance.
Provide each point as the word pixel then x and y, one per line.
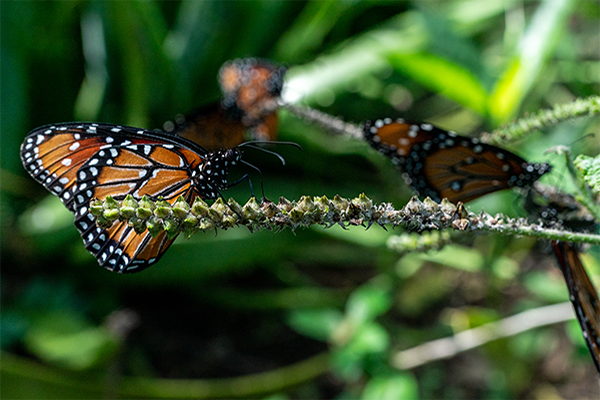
pixel 211 175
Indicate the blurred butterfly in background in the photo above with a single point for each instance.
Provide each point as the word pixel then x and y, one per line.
pixel 81 161
pixel 441 164
pixel 247 111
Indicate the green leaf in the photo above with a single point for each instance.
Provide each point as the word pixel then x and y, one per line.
pixel 590 169
pixel 360 57
pixel 547 287
pixel 443 76
pixel 370 300
pixel 65 339
pixel 48 216
pixel 537 44
pixel 370 338
pixel 147 74
pixel 399 386
pixel 93 88
pixel 455 256
pixel 310 28
pixel 317 324
pixel 13 327
pixel 348 360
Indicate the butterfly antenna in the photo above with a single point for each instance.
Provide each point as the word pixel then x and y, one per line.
pixel 268 152
pixel 253 144
pixel 277 142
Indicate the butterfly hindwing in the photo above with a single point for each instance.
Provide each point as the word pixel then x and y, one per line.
pixel 583 295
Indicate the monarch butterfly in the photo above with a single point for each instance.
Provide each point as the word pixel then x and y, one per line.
pixel 251 89
pixel 439 163
pixel 583 296
pixel 80 161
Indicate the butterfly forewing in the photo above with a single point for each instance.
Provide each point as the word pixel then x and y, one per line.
pixel 213 127
pixel 78 162
pixel 53 161
pixel 583 295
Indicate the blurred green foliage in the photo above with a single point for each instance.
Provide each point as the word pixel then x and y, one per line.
pixel 309 314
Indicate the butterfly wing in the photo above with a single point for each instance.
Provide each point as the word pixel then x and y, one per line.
pixel 120 248
pixel 466 171
pixel 439 163
pixel 212 126
pixel 583 294
pixel 396 138
pixel 78 162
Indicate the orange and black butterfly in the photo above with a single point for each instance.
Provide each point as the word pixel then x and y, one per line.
pixel 583 295
pixel 439 163
pixel 251 90
pixel 81 161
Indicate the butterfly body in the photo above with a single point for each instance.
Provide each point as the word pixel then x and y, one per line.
pixel 439 163
pixel 81 161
